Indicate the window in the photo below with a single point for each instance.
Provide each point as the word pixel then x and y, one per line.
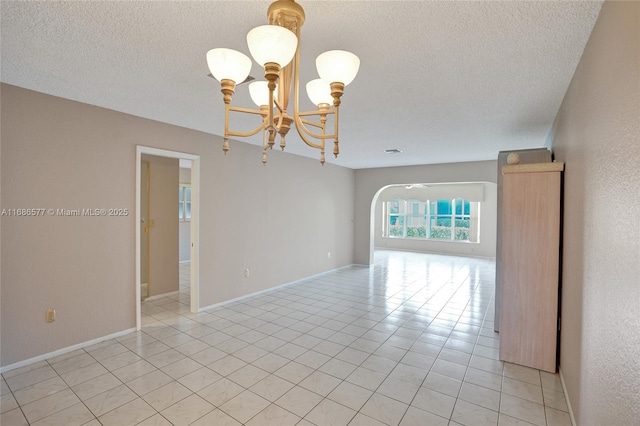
pixel 396 219
pixel 436 220
pixel 184 202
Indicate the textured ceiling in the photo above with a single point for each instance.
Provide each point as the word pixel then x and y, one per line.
pixel 441 81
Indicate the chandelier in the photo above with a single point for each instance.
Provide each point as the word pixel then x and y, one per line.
pixel 276 48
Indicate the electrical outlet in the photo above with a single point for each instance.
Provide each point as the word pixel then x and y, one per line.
pixel 329 255
pixel 246 273
pixel 50 315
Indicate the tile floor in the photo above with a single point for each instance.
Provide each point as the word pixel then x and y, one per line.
pixel 408 341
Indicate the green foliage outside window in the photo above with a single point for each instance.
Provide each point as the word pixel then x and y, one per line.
pixel 395 231
pixel 416 232
pixel 441 233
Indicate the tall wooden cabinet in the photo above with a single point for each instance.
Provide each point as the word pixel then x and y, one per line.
pixel 530 262
pixel 525 156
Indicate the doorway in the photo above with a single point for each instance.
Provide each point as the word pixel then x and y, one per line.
pixel 141 215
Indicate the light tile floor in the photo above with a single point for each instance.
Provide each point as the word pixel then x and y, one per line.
pixel 409 341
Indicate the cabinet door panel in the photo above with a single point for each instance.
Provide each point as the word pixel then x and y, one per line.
pixel 530 267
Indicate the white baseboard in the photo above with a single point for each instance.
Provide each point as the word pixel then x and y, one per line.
pixel 566 397
pixel 226 302
pixel 64 350
pixel 160 296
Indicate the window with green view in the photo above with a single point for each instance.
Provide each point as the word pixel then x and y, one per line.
pixel 431 219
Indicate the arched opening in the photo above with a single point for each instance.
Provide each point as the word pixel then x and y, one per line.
pixel 450 218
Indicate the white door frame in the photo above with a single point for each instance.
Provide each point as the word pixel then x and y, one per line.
pixel 195 222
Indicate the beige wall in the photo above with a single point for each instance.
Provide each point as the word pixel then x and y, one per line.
pixel 597 134
pixel 163 234
pixel 280 221
pixel 369 181
pixel 289 215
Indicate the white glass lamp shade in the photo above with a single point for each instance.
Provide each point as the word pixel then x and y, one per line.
pixel 319 92
pixel 228 64
pixel 337 66
pixel 259 92
pixel 272 43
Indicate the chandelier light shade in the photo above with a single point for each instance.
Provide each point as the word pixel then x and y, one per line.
pixel 259 92
pixel 275 47
pixel 319 92
pixel 271 43
pixel 337 66
pixel 228 64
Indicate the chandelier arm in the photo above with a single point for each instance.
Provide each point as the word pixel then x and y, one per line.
pixel 323 127
pixel 226 120
pixel 278 118
pixel 270 128
pixel 245 110
pixel 225 144
pixel 246 134
pixel 299 124
pixel 275 101
pixel 271 74
pixel 230 109
pixel 316 112
pixel 300 127
pixel 336 148
pixel 315 124
pixel 312 123
pixel 265 145
pixel 316 135
pixel 278 121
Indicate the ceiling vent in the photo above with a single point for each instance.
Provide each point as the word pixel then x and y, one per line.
pixel 392 151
